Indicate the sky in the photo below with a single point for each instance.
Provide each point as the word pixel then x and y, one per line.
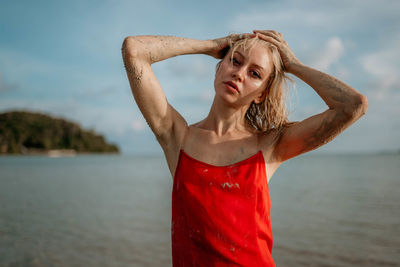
pixel 63 58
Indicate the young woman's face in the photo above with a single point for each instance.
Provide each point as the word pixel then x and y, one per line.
pixel 248 72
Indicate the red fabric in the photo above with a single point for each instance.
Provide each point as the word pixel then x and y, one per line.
pixel 221 214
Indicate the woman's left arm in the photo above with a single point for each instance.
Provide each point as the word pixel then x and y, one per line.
pixel 346 105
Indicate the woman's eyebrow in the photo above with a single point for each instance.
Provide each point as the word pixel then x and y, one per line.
pixel 239 53
pixel 258 67
pixel 253 64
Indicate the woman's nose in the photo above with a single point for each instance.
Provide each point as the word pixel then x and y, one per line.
pixel 238 74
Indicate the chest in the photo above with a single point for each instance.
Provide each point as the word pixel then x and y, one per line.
pixel 220 151
pixel 218 157
pixel 208 149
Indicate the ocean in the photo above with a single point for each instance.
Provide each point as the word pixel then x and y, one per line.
pixel 115 210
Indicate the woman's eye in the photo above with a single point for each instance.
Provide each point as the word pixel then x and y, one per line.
pixel 254 73
pixel 235 61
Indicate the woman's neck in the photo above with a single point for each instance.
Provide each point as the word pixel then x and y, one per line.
pixel 223 119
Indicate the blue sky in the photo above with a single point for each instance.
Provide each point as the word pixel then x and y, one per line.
pixel 63 58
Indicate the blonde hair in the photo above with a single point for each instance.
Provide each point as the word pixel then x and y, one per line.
pixel 272 112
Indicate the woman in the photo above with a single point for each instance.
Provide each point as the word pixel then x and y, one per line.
pixel 221 165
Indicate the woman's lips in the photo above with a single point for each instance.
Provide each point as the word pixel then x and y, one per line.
pixel 232 86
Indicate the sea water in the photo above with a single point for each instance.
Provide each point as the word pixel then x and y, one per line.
pixel 115 210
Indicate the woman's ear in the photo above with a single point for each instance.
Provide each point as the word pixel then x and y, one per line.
pixel 261 97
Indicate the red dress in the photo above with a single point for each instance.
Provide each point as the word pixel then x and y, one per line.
pixel 221 214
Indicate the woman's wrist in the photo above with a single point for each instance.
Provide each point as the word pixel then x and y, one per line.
pixel 295 68
pixel 211 47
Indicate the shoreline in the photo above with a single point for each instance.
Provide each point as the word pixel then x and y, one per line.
pixel 56 153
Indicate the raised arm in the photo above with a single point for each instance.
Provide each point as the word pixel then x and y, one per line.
pixel 138 53
pixel 346 105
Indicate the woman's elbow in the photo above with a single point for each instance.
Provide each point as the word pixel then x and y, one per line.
pixel 130 47
pixel 358 107
pixel 362 104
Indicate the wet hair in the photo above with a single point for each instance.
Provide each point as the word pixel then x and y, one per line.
pixel 272 112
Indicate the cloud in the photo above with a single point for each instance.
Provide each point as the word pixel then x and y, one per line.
pixel 330 54
pixel 383 67
pixel 316 16
pixel 110 22
pixel 278 19
pixel 138 125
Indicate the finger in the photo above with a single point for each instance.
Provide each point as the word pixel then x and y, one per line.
pixel 267 31
pixel 270 34
pixel 275 34
pixel 269 40
pixel 245 35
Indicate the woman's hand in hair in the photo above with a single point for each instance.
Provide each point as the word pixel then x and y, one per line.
pixel 221 45
pixel 288 58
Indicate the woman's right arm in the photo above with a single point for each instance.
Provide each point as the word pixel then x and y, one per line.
pixel 138 53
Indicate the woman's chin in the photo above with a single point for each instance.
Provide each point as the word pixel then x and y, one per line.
pixel 227 100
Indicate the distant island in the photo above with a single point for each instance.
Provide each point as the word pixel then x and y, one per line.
pixel 23 132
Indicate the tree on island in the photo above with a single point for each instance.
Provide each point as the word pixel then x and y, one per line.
pixel 22 131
